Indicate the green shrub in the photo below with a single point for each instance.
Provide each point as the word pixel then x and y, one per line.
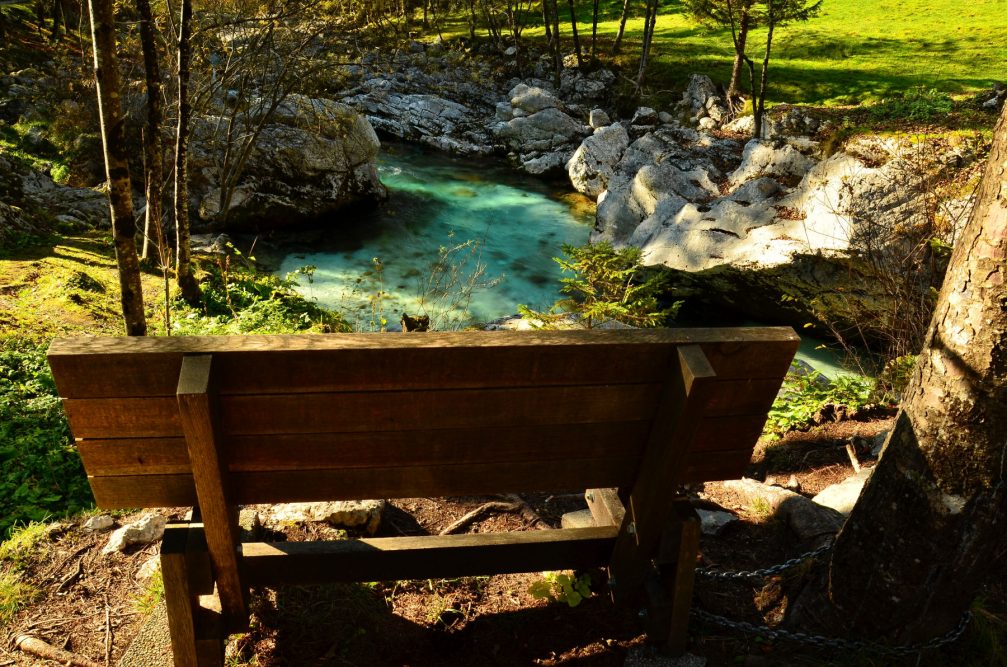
pixel 918 104
pixel 804 394
pixel 562 587
pixel 608 284
pixel 239 298
pixel 40 470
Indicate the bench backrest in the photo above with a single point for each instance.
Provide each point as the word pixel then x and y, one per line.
pixel 348 416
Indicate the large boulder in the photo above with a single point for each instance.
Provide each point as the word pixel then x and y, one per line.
pixel 593 163
pixel 542 142
pixel 427 119
pixel 312 157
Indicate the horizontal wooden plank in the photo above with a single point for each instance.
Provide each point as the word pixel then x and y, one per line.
pixel 154 456
pixel 122 367
pixel 369 411
pixel 717 434
pixel 174 490
pixel 428 557
pixel 715 466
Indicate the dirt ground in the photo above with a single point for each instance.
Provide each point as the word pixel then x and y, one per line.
pixel 92 605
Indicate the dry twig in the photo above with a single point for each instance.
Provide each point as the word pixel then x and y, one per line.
pixel 527 513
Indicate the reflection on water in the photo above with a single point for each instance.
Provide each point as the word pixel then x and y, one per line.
pixel 450 230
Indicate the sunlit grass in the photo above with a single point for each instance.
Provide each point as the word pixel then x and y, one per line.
pixel 854 52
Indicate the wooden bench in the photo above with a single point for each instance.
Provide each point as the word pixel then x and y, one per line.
pixel 217 422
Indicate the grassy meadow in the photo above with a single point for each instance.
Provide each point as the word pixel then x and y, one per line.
pixel 855 51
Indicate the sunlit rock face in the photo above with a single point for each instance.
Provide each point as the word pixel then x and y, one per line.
pixel 767 225
pixel 310 158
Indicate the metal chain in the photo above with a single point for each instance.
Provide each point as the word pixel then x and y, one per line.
pixel 713 573
pixel 820 641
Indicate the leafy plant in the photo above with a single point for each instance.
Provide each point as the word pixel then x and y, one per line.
pixel 804 394
pixel 608 284
pixel 919 104
pixel 151 595
pixel 239 298
pixel 40 470
pixel 562 587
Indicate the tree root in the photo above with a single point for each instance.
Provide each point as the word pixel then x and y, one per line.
pixel 40 649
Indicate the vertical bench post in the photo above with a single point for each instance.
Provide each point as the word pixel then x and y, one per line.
pixel 197 408
pixel 651 508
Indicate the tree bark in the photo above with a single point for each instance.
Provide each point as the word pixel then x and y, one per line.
pixel 739 54
pixel 183 261
pixel 154 176
pixel 113 136
pixel 622 27
pixel 576 37
pixel 928 529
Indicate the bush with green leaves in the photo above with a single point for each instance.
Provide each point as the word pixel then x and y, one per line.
pixel 608 284
pixel 562 587
pixel 803 395
pixel 40 470
pixel 917 104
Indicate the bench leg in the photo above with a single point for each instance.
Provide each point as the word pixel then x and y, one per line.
pixel 669 591
pixel 197 635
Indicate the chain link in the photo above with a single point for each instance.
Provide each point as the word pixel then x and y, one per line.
pixel 713 573
pixel 820 641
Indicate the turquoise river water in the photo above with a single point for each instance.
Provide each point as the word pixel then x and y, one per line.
pixel 457 240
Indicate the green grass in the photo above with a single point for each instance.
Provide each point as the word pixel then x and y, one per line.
pixel 14 594
pixel 855 51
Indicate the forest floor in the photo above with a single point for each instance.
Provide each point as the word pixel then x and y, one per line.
pixel 93 605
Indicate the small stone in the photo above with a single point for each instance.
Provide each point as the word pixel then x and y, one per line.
pixel 644 116
pixel 149 568
pixel 713 522
pixel 598 118
pixel 510 51
pixel 792 484
pixel 96 524
pixel 142 531
pixel 707 123
pixel 364 514
pixel 579 519
pixel 665 118
pixel 991 103
pixel 843 496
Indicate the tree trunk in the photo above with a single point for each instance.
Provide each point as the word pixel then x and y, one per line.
pixel 622 27
pixel 759 96
pixel 739 55
pixel 183 263
pixel 113 136
pixel 594 29
pixel 649 23
pixel 576 37
pixel 154 176
pixel 928 529
pixel 557 49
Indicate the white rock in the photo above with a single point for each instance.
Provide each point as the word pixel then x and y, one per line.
pixel 145 530
pixel 711 522
pixel 707 123
pixel 593 163
pixel 761 158
pixel 148 569
pixel 96 524
pixel 345 513
pixel 843 496
pixel 742 125
pixel 532 99
pixel 598 118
